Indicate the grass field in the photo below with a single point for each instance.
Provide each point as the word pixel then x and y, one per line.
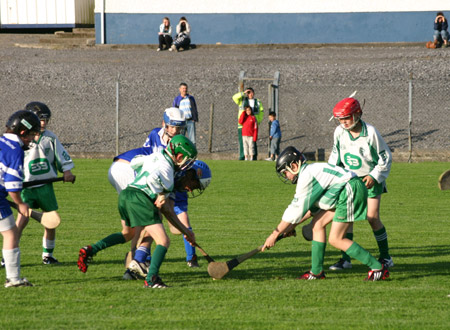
pixel 241 207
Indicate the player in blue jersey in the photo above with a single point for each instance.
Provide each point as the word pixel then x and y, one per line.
pixel 21 129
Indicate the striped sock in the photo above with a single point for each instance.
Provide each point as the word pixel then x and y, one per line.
pixel 47 247
pixel 382 241
pixel 141 254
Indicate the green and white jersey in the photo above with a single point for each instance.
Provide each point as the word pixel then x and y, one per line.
pixel 318 187
pixel 367 154
pixel 45 158
pixel 154 174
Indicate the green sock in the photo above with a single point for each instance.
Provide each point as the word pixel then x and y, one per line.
pixel 345 256
pixel 157 259
pixel 359 253
pixel 381 237
pixel 111 240
pixel 317 255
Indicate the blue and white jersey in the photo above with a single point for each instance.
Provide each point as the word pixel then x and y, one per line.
pixel 11 169
pixel 130 154
pixel 155 140
pixel 185 106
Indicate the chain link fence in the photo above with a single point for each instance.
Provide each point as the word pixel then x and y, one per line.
pixel 85 114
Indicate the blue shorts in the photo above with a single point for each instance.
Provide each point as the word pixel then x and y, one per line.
pixel 181 202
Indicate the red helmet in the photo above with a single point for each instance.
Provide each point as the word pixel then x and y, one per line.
pixel 347 107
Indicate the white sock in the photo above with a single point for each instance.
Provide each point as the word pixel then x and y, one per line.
pixel 12 264
pixel 47 247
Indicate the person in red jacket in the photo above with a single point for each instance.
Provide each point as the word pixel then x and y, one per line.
pixel 249 132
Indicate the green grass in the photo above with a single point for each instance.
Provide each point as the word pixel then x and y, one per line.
pixel 236 213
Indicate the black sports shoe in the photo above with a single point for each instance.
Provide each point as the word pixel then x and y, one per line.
pixel 389 263
pixel 84 258
pixel 193 263
pixel 49 261
pixel 156 283
pixel 3 262
pixel 129 275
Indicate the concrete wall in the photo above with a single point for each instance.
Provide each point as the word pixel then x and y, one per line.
pixel 265 22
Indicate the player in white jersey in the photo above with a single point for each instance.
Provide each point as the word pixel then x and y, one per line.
pixel 43 160
pixel 359 147
pixel 141 201
pixel 332 194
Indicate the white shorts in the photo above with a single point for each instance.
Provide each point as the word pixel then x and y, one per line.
pixel 120 175
pixel 7 223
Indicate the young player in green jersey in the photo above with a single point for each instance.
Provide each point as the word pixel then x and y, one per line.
pixel 332 194
pixel 359 147
pixel 142 200
pixel 45 158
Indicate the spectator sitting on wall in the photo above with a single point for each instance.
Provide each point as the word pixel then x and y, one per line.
pixel 440 30
pixel 165 34
pixel 183 37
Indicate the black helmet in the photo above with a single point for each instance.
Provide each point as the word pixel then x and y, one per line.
pixel 285 159
pixel 40 109
pixel 23 120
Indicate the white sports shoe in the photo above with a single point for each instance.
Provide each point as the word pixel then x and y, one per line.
pixel 341 264
pixel 138 268
pixel 21 282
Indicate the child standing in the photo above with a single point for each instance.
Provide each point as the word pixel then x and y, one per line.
pixel 249 132
pixel 43 161
pixel 21 128
pixel 359 147
pixel 274 136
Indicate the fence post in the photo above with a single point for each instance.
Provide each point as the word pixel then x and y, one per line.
pixel 117 112
pixel 211 122
pixel 410 116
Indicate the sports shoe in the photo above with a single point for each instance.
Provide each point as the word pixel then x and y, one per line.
pixel 156 283
pixel 3 263
pixel 389 263
pixel 138 268
pixel 129 275
pixel 21 282
pixel 159 49
pixel 84 258
pixel 49 261
pixel 310 276
pixel 377 274
pixel 341 264
pixel 193 263
pixel 269 159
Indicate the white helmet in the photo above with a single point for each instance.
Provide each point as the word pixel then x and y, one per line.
pixel 174 117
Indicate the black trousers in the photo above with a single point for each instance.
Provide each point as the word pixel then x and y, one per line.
pixel 165 40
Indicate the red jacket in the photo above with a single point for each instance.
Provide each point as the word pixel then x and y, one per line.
pixel 249 125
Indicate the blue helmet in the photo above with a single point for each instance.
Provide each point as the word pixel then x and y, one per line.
pixel 174 117
pixel 203 173
pixel 200 171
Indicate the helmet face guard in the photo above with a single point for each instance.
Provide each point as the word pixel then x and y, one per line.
pixel 346 108
pixel 174 117
pixel 284 163
pixel 180 144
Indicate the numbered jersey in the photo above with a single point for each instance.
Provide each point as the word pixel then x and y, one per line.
pixel 45 158
pixel 365 154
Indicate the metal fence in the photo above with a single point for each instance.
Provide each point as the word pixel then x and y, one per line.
pixel 411 115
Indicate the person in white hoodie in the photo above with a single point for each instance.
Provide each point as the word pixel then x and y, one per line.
pixel 183 38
